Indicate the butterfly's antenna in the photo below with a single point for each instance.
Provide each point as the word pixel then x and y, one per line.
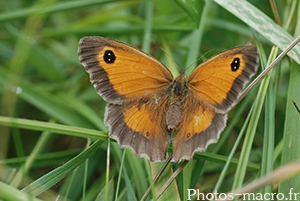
pixel 200 58
pixel 170 58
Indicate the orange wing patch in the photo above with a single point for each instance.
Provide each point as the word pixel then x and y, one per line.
pixel 131 74
pixel 141 120
pixel 220 79
pixel 200 126
pixel 120 72
pixel 141 126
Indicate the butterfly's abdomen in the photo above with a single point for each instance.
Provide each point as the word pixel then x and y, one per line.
pixel 178 90
pixel 173 114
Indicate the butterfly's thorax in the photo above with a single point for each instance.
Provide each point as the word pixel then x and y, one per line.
pixel 177 90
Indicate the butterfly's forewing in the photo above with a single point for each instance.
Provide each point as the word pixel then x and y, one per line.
pixel 120 72
pixel 135 85
pixel 215 86
pixel 221 79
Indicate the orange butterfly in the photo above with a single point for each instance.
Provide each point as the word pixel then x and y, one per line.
pixel 146 103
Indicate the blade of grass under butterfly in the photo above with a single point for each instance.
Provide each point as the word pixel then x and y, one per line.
pixel 108 169
pixel 171 179
pixel 86 111
pixel 269 138
pixel 136 165
pixel 102 195
pixel 119 179
pixel 26 166
pixel 157 176
pixel 52 105
pixel 8 192
pixel 232 152
pixel 171 192
pixel 129 185
pixel 291 140
pixel 259 21
pixel 280 174
pixel 223 159
pixel 42 159
pixel 47 181
pixel 53 128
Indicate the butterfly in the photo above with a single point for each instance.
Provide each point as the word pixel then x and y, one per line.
pixel 145 102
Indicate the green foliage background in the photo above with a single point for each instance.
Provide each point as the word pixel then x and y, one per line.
pixel 44 151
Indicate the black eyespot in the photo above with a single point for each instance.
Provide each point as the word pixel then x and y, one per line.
pixel 235 64
pixel 109 57
pixel 147 134
pixel 188 135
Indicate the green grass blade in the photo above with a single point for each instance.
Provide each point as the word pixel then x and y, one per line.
pixel 259 21
pixel 232 152
pixel 42 160
pixel 84 110
pixel 47 181
pixel 26 167
pixel 269 137
pixel 171 193
pixel 50 104
pixel 45 9
pixel 102 194
pixel 44 60
pixel 148 26
pixel 119 177
pixel 53 128
pixel 193 8
pixel 251 130
pixel 9 193
pixel 136 166
pixel 196 40
pixel 291 140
